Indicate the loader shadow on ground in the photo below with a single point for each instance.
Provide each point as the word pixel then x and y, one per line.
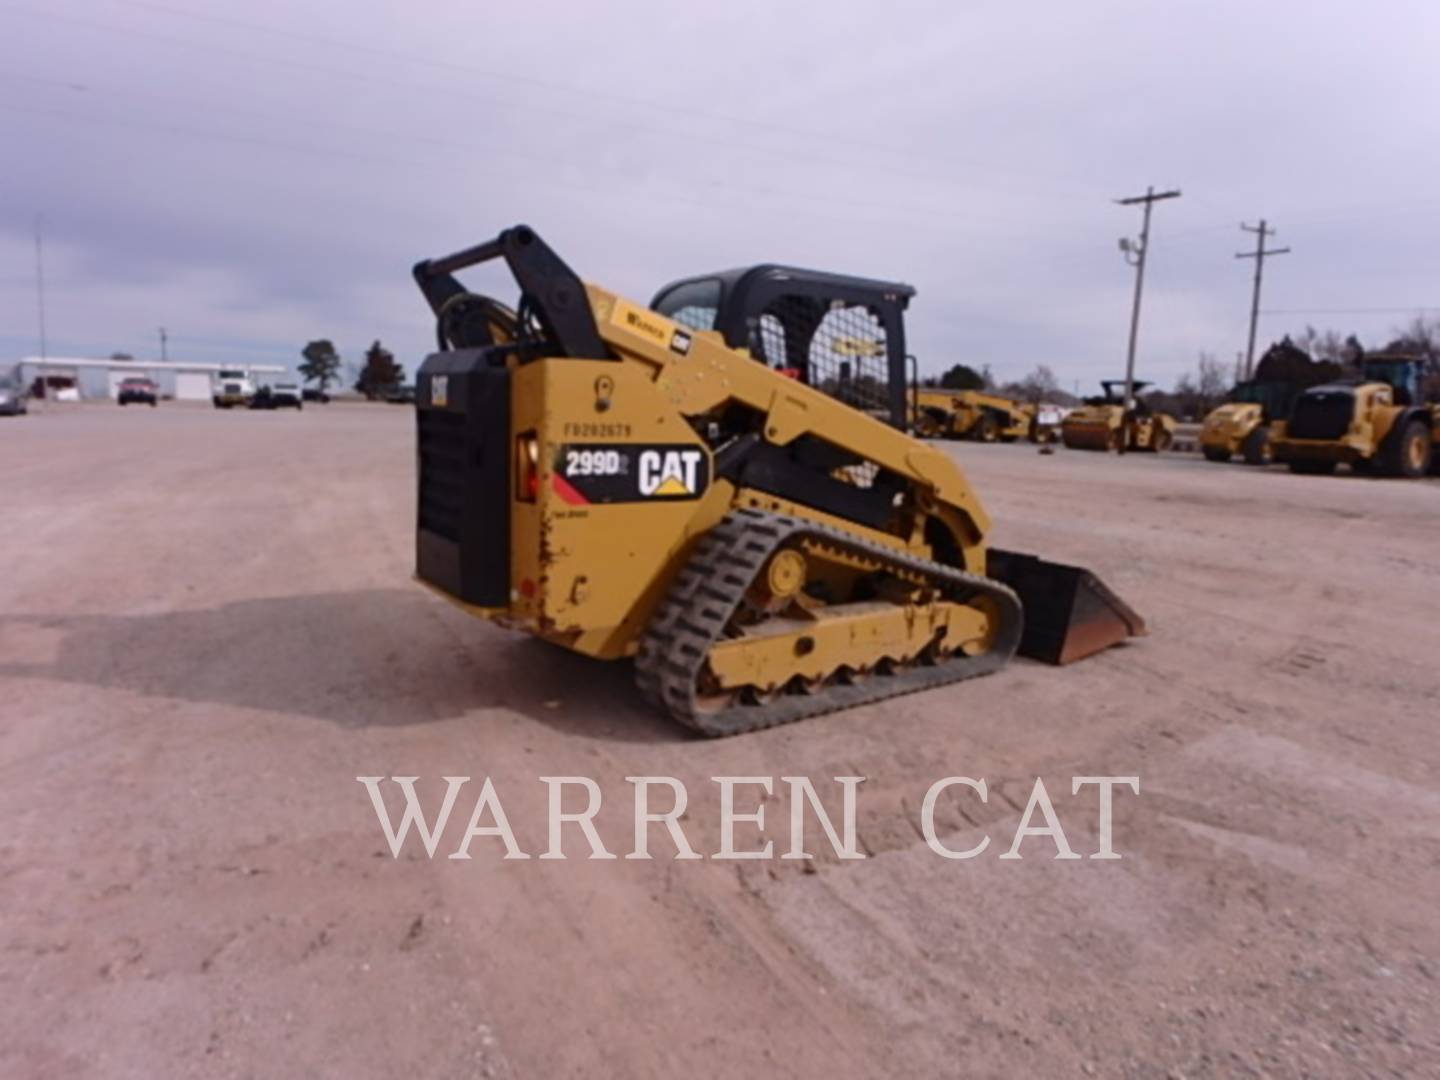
pixel 376 657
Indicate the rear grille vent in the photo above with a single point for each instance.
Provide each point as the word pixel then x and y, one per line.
pixel 442 471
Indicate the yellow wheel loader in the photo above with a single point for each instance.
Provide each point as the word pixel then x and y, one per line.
pixel 975 415
pixel 1110 423
pixel 699 485
pixel 1376 424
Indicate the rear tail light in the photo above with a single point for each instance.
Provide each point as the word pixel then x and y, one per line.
pixel 527 467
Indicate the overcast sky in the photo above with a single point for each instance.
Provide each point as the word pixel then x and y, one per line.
pixel 252 175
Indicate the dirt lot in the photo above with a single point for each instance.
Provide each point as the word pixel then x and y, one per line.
pixel 207 632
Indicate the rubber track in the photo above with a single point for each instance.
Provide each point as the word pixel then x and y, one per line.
pixel 705 595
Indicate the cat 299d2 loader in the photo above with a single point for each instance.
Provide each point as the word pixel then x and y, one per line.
pixel 701 485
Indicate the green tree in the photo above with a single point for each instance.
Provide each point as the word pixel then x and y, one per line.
pixel 321 363
pixel 380 374
pixel 964 377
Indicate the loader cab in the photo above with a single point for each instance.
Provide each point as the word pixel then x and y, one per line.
pixel 1273 397
pixel 1401 373
pixel 842 335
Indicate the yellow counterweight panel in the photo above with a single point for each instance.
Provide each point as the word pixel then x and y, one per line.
pixel 585 572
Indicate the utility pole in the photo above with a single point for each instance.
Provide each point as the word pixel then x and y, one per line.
pixel 164 356
pixel 40 281
pixel 1261 232
pixel 1139 249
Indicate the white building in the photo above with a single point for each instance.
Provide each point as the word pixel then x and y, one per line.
pixel 188 382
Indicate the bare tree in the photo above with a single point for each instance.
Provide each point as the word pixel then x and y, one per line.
pixel 1322 344
pixel 1197 392
pixel 1211 382
pixel 1421 337
pixel 1418 337
pixel 1040 385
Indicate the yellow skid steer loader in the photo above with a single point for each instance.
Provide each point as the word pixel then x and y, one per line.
pixel 703 485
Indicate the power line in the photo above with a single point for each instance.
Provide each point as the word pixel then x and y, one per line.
pixel 489 149
pixel 1350 311
pixel 807 200
pixel 805 204
pixel 688 113
pixel 688 133
pixel 1140 250
pixel 489 71
pixel 1261 231
pixel 871 162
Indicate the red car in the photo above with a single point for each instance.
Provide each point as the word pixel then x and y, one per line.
pixel 139 390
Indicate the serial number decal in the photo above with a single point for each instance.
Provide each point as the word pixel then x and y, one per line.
pixel 633 472
pixel 594 429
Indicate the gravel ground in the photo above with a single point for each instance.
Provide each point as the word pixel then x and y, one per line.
pixel 208 631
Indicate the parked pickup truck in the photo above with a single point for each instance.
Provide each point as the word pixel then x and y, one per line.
pixel 137 390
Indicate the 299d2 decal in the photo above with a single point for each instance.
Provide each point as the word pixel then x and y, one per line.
pixel 631 472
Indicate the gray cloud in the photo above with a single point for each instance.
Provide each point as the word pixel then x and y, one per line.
pixel 253 175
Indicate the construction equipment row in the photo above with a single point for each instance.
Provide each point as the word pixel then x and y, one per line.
pixel 978 415
pixel 1313 418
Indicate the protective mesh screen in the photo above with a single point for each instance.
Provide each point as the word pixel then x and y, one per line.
pixel 862 475
pixel 839 349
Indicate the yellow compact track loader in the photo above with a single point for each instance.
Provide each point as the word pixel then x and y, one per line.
pixel 1376 424
pixel 1106 423
pixel 700 485
pixel 975 415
